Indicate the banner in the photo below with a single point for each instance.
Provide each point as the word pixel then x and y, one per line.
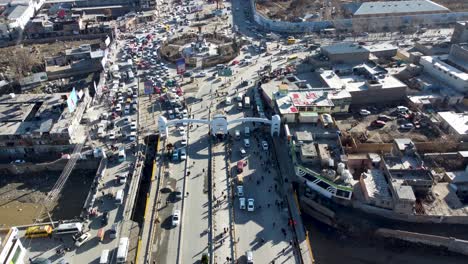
pixel 225 72
pixel 149 88
pixel 180 64
pixel 72 101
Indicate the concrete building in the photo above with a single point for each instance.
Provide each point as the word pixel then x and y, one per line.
pixel 455 124
pixel 382 50
pixel 35 123
pixel 375 188
pixel 404 167
pixel 452 69
pixel 366 84
pixel 17 13
pixel 345 53
pixel 291 97
pixel 308 153
pixel 460 180
pixel 398 8
pixel 460 32
pixel 11 248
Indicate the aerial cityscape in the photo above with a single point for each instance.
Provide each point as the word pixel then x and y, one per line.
pixel 226 132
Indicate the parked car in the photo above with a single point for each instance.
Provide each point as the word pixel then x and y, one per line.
pixel 250 205
pixel 378 123
pixel 407 126
pixel 240 191
pixel 82 239
pixel 364 112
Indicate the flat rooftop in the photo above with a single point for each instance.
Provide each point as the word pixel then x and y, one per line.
pixel 376 185
pixel 439 63
pixel 344 48
pixel 380 47
pixel 290 96
pixel 395 7
pixel 356 83
pixel 457 121
pixel 33 113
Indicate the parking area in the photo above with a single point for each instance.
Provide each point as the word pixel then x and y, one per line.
pixel 382 125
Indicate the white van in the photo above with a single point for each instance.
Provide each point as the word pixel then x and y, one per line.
pixel 104 257
pixel 246 143
pixel 237 134
pixel 122 251
pixel 70 228
pixel 119 197
pixel 228 100
pixel 247 131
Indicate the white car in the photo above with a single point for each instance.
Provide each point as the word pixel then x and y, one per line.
pixel 364 112
pixel 181 130
pixel 184 141
pixel 176 218
pixel 132 136
pixel 82 239
pixel 250 205
pixel 112 135
pixel 264 145
pixel 133 126
pixel 240 190
pixel 183 154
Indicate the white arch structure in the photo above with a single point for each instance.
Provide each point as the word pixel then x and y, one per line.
pixel 219 124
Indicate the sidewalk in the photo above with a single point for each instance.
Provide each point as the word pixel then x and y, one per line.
pixel 287 168
pixel 223 243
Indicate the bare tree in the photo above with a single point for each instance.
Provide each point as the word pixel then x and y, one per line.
pixel 21 62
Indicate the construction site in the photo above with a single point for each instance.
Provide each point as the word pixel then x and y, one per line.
pixel 302 10
pixel 27 195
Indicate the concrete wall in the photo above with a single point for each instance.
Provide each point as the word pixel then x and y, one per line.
pixel 452 244
pixel 411 218
pixel 369 147
pixel 57 165
pixel 376 24
pixel 373 96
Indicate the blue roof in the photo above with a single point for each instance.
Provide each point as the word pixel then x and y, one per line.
pixel 395 7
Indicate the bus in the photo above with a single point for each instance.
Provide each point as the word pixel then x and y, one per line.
pixel 122 251
pixel 70 228
pixel 38 231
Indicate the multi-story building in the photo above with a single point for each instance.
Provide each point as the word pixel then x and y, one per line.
pixel 366 84
pixel 294 99
pixel 35 123
pixel 452 69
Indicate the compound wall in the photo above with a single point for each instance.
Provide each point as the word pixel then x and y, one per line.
pixel 375 24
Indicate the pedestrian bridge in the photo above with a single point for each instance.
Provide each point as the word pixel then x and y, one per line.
pixel 219 124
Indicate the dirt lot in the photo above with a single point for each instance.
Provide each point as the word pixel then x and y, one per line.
pixel 21 196
pixel 290 10
pixel 360 128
